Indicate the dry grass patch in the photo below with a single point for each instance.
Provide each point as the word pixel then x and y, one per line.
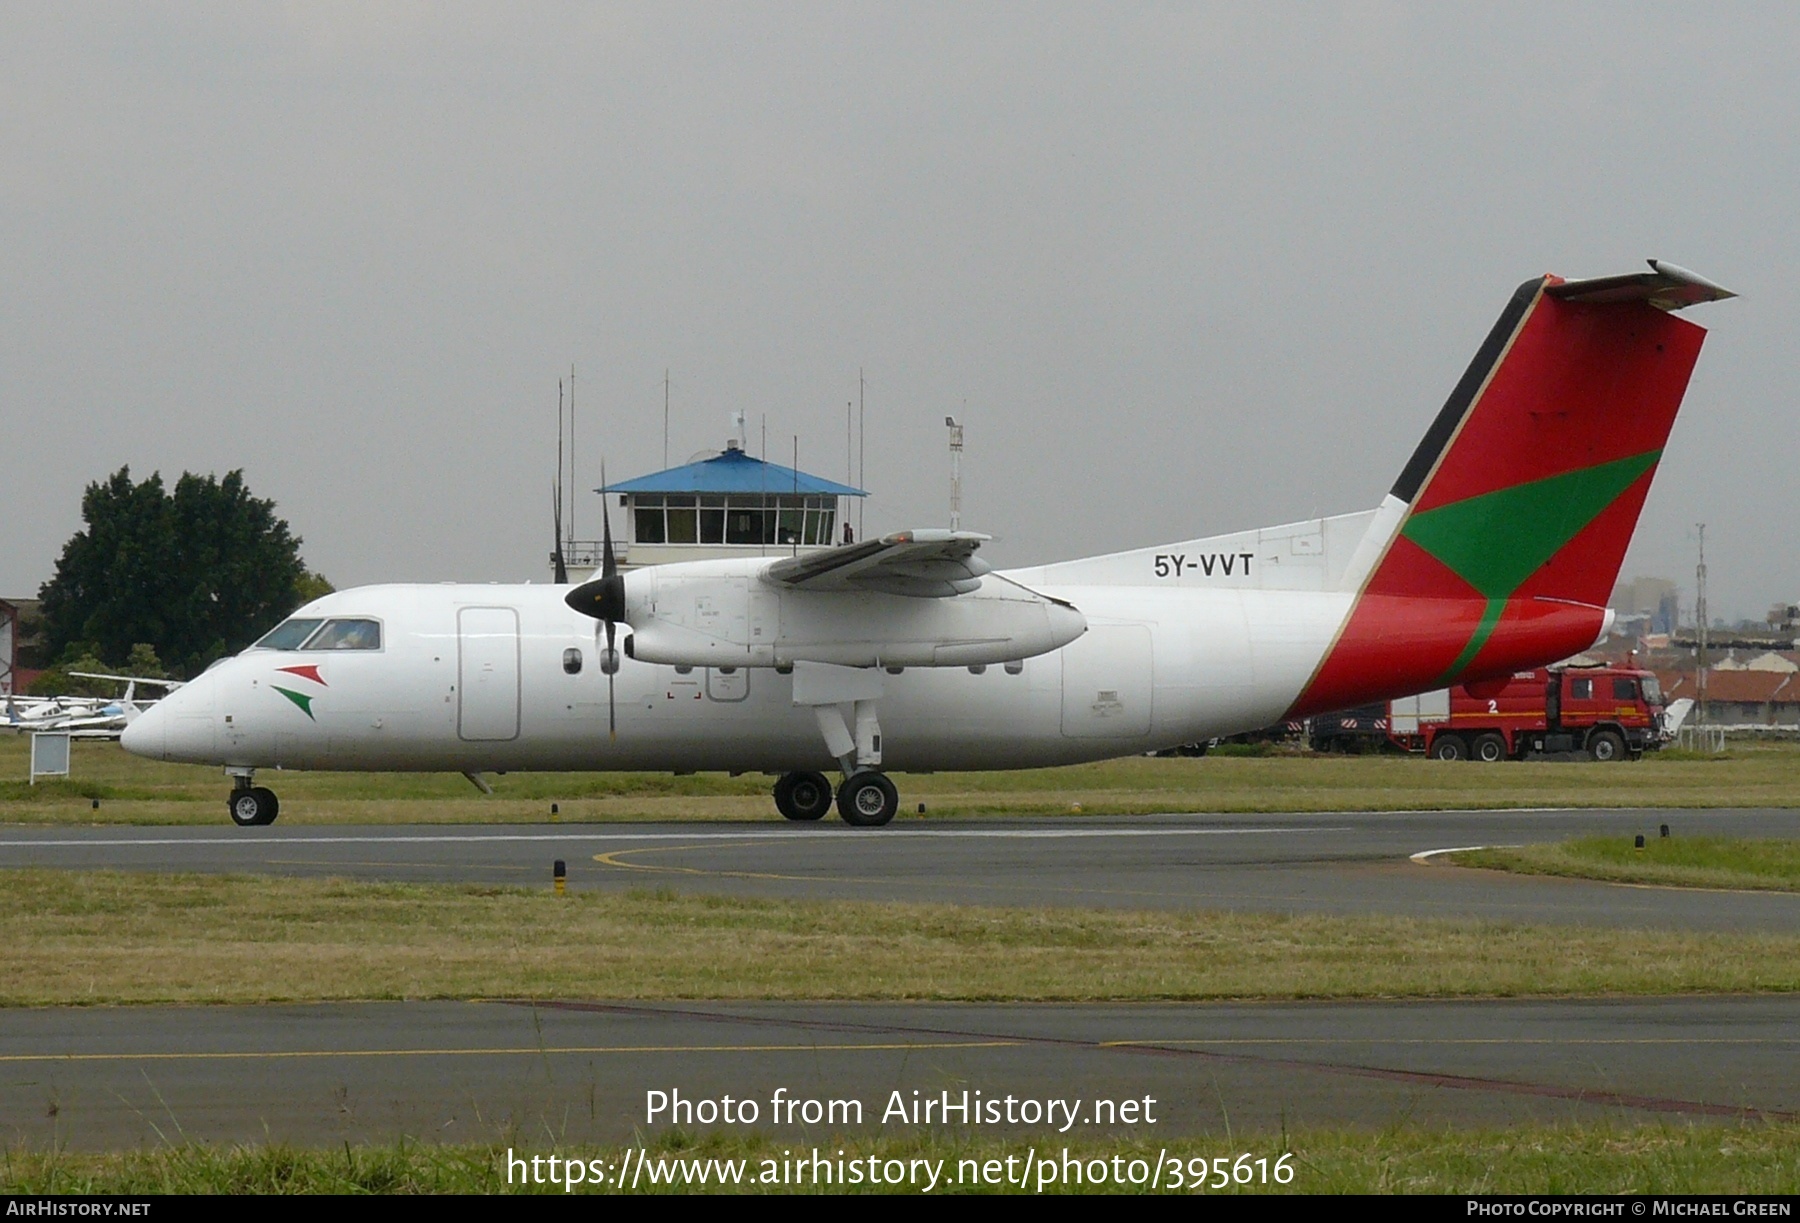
pixel 127 938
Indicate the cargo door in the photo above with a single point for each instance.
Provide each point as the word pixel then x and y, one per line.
pixel 487 670
pixel 1107 683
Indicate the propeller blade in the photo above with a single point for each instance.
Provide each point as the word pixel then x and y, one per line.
pixel 603 598
pixel 610 664
pixel 608 566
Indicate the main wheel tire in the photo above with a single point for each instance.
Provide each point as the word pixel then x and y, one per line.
pixel 1606 746
pixel 803 796
pixel 1449 747
pixel 253 808
pixel 867 800
pixel 1489 748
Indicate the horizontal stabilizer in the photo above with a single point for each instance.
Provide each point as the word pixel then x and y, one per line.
pixel 1665 286
pixel 924 564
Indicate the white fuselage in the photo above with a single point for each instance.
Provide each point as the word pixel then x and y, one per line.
pixel 473 678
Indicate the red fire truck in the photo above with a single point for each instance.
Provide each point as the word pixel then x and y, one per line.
pixel 1611 713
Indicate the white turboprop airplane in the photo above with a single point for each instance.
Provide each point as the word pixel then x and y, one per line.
pixel 1495 551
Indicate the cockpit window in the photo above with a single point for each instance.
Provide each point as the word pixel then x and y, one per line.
pixel 346 635
pixel 288 634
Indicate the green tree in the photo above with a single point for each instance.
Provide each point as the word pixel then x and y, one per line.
pixel 57 680
pixel 143 662
pixel 193 575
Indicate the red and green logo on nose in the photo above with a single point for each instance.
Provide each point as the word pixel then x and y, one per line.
pixel 302 700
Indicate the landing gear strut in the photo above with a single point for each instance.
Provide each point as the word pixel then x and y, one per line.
pixel 803 796
pixel 867 799
pixel 843 699
pixel 251 806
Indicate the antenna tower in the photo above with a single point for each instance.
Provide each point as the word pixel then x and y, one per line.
pixel 862 469
pixel 956 449
pixel 1700 615
pixel 571 450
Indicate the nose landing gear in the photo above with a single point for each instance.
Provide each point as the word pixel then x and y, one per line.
pixel 251 806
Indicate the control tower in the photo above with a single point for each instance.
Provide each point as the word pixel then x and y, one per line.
pixel 728 505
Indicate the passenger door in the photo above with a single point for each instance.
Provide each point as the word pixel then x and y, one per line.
pixel 487 674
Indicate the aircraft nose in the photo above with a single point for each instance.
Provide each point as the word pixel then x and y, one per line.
pixel 148 733
pixel 181 726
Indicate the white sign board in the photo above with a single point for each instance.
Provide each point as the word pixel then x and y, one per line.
pixel 49 754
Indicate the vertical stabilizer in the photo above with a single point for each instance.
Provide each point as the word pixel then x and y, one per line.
pixel 1503 536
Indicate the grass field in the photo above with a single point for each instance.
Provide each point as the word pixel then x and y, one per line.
pixel 136 791
pixel 1697 862
pixel 110 937
pixel 1535 1159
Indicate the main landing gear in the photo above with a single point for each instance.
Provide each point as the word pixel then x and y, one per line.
pixel 803 796
pixel 251 806
pixel 866 799
pixel 843 699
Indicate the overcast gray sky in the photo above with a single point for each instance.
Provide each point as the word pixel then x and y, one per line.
pixel 1180 268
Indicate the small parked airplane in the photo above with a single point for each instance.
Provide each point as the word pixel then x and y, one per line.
pixel 82 717
pixel 1495 550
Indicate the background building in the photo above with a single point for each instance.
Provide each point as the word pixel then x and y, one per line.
pixel 727 505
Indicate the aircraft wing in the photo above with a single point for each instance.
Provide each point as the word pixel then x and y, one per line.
pixel 921 564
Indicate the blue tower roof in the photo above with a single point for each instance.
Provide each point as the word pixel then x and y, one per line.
pixel 733 472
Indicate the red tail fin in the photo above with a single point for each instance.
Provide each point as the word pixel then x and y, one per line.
pixel 1524 493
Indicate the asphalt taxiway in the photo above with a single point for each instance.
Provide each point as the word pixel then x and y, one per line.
pixel 538 1074
pixel 1355 862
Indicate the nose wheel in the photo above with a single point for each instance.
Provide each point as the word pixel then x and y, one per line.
pixel 867 800
pixel 253 806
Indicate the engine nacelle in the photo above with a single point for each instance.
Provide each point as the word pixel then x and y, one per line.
pixel 719 613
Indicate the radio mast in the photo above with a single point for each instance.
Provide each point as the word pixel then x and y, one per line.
pixel 1700 615
pixel 956 449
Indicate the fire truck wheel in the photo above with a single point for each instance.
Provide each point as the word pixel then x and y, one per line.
pixel 1488 748
pixel 1606 745
pixel 1449 747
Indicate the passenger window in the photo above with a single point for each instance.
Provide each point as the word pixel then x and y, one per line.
pixel 572 661
pixel 347 635
pixel 1624 690
pixel 1581 689
pixel 288 635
